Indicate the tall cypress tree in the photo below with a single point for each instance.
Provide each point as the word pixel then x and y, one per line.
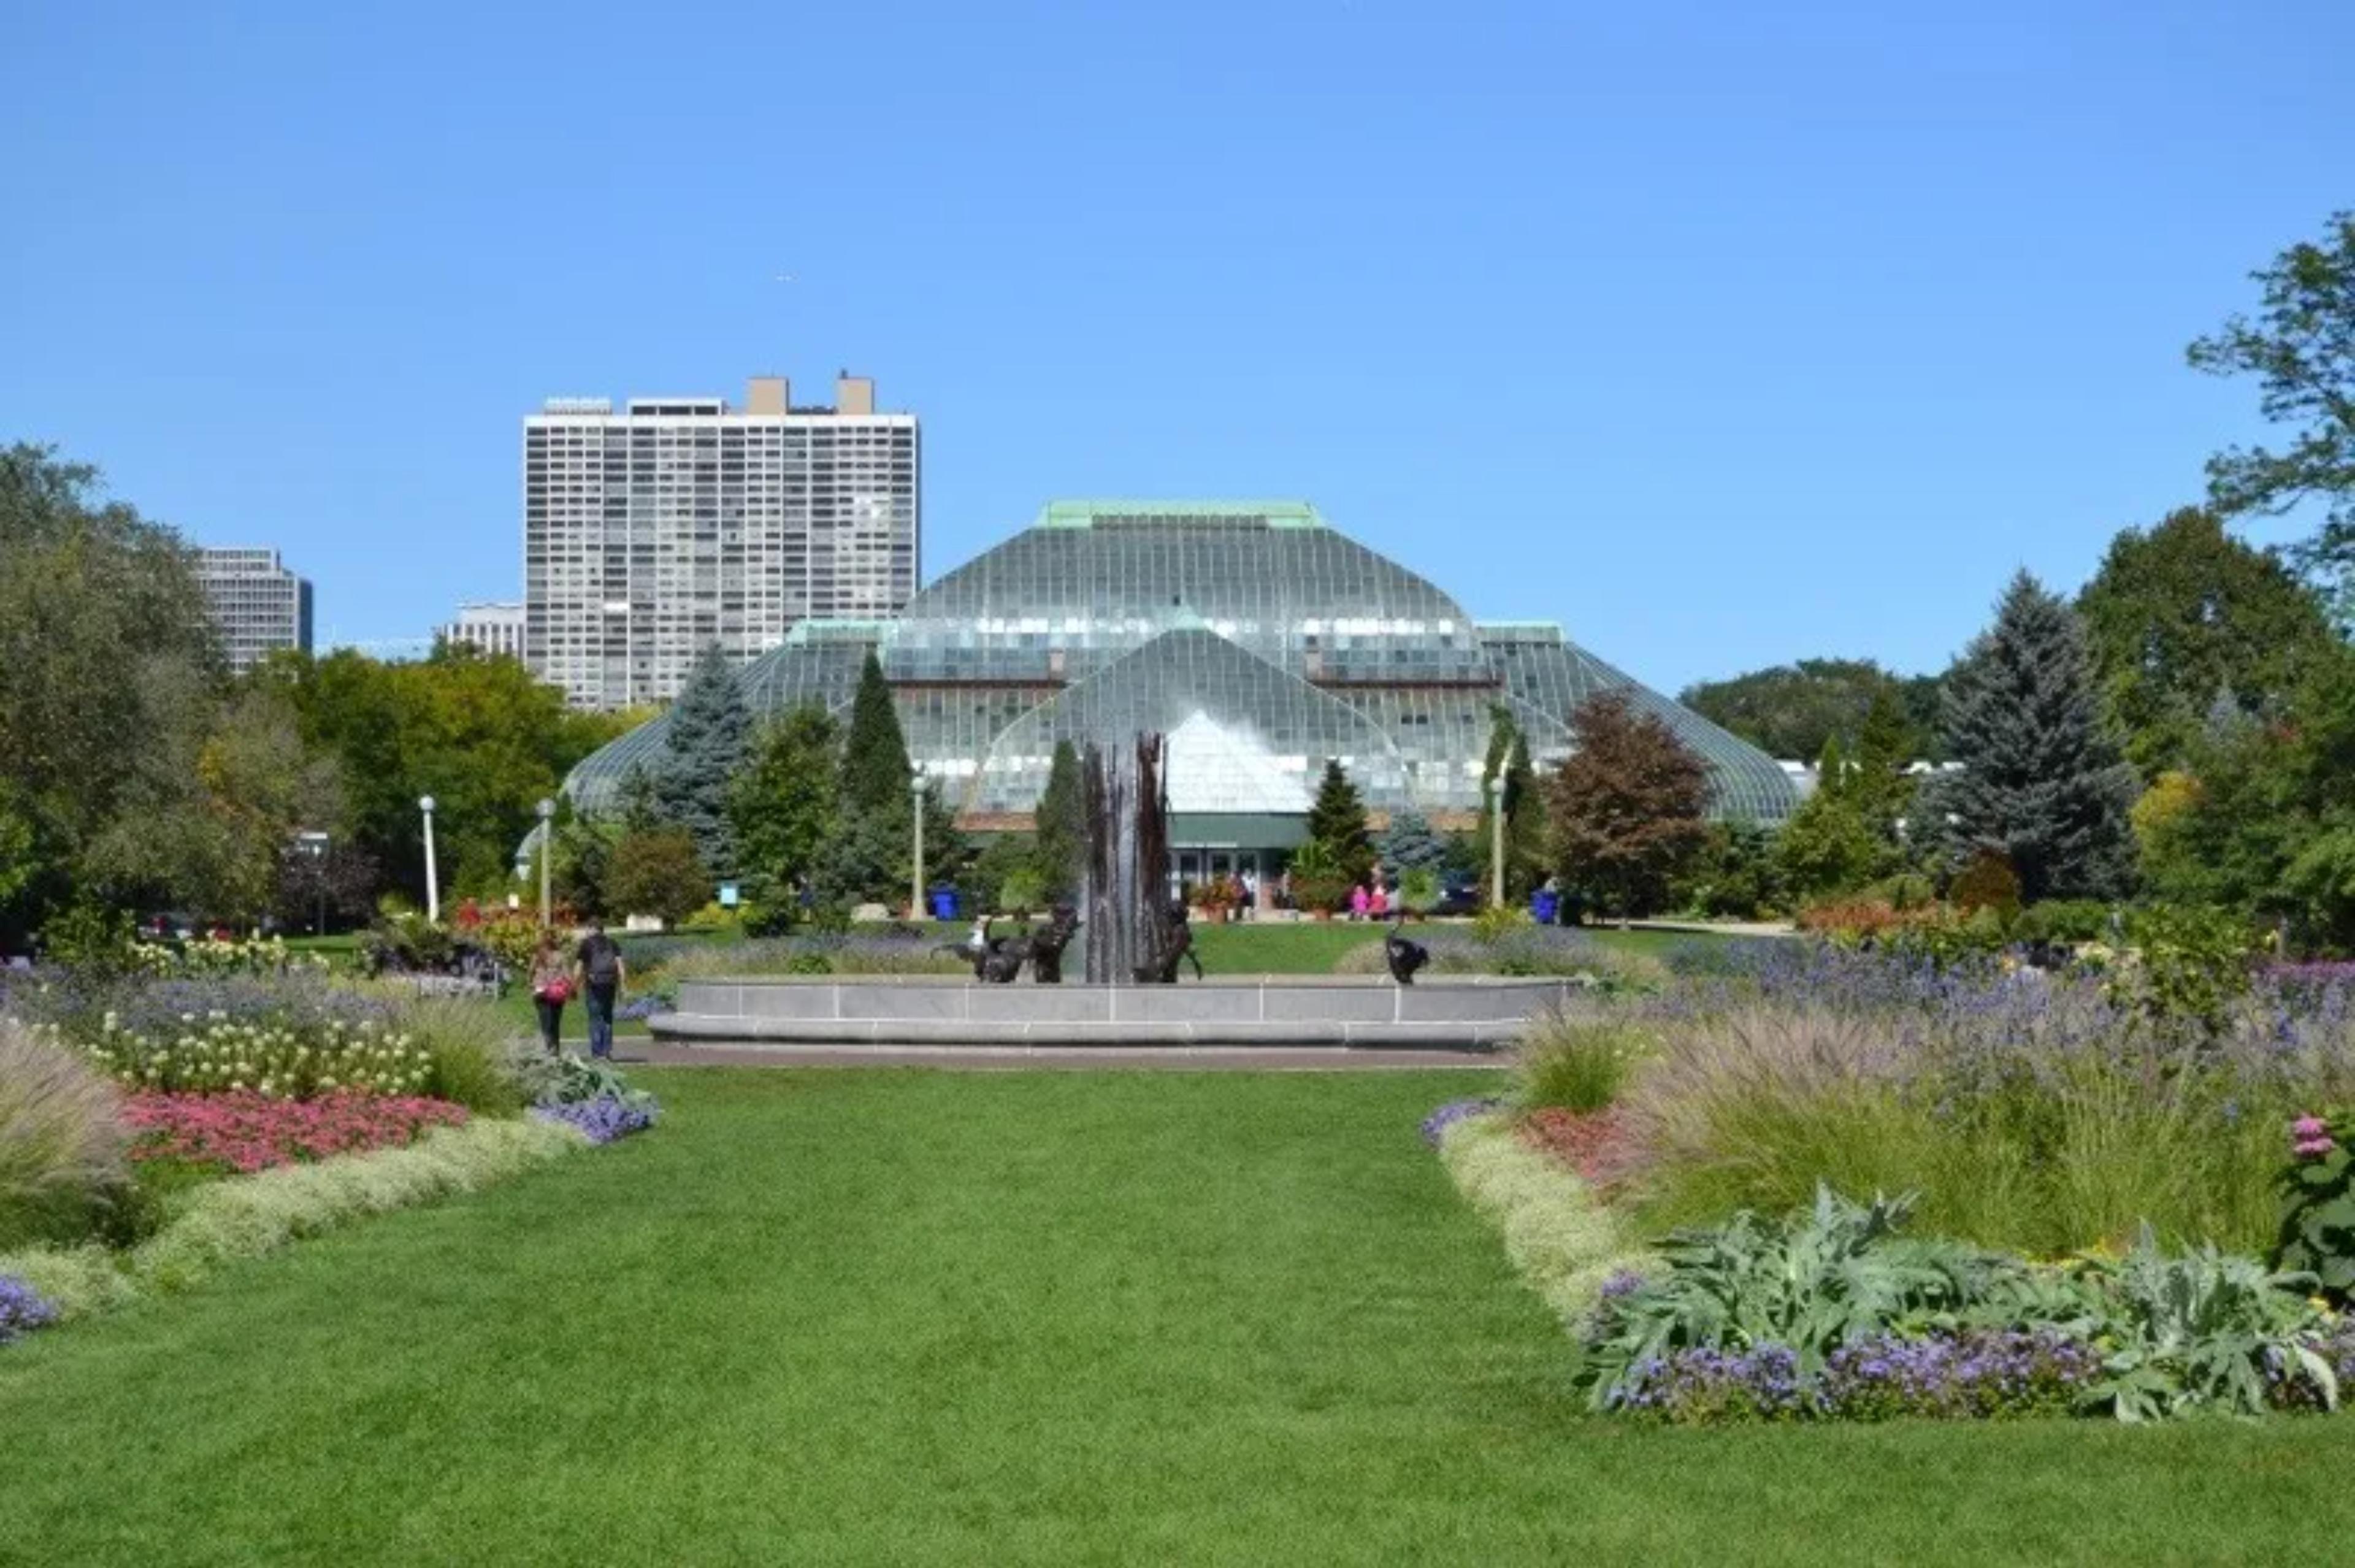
pixel 1062 827
pixel 874 767
pixel 1525 812
pixel 1337 819
pixel 2041 783
pixel 710 734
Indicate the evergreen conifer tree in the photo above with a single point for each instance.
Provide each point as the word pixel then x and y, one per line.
pixel 1062 828
pixel 1337 819
pixel 874 767
pixel 2041 783
pixel 1879 785
pixel 710 734
pixel 1410 842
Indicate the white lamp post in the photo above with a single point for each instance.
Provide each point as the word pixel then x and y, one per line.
pixel 547 854
pixel 432 887
pixel 1496 786
pixel 916 877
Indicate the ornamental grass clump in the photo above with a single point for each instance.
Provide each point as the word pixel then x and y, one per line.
pixel 62 1143
pixel 1579 1061
pixel 2041 1112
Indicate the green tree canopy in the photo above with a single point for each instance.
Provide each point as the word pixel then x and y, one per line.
pixel 105 641
pixel 784 803
pixel 875 766
pixel 1410 842
pixel 2185 614
pixel 1791 710
pixel 708 735
pixel 1060 847
pixel 1626 811
pixel 2041 783
pixel 2262 817
pixel 479 735
pixel 2300 347
pixel 1337 819
pixel 1525 822
pixel 657 872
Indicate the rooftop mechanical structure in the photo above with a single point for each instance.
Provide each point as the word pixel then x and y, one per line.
pixel 1256 636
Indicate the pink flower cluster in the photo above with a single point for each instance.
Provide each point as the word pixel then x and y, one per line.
pixel 247 1131
pixel 2313 1136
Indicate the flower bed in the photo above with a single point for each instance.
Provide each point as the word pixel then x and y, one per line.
pixel 1598 1145
pixel 21 1309
pixel 247 1131
pixel 276 1062
pixel 603 1119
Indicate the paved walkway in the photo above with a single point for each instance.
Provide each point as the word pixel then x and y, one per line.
pixel 1052 1059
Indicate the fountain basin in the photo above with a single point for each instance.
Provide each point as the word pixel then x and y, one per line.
pixel 1468 1013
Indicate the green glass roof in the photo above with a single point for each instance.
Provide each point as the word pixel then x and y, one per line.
pixel 1262 640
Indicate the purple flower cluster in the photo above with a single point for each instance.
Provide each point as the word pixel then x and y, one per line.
pixel 644 1008
pixel 1435 1126
pixel 603 1119
pixel 1703 1386
pixel 1976 1375
pixel 21 1309
pixel 2310 1137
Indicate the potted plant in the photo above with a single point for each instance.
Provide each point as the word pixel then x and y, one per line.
pixel 1319 884
pixel 1218 898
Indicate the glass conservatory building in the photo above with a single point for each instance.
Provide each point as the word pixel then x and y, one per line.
pixel 1259 639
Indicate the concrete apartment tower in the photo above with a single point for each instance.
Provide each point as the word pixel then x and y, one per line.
pixel 493 626
pixel 651 534
pixel 259 606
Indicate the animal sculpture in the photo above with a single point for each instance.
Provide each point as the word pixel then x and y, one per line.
pixel 1047 945
pixel 1176 946
pixel 1403 956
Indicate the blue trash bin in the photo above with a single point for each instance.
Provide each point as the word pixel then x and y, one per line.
pixel 945 904
pixel 1544 905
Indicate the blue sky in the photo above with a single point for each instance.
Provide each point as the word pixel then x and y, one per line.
pixel 1724 334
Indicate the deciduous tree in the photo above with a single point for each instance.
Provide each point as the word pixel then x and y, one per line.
pixel 1627 809
pixel 2185 614
pixel 785 802
pixel 2301 346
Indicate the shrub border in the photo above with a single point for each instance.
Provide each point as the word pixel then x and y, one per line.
pixel 1562 1241
pixel 251 1216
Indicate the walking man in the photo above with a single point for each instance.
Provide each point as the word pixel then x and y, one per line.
pixel 601 972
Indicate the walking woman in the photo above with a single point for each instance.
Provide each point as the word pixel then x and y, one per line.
pixel 551 986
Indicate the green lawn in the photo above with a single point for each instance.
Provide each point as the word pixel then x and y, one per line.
pixel 905 1318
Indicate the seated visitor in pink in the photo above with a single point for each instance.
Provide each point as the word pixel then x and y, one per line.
pixel 1379 906
pixel 1358 901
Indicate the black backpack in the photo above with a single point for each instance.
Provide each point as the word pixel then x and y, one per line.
pixel 602 959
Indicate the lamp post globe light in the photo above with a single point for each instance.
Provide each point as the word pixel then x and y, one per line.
pixel 546 810
pixel 916 877
pixel 313 843
pixel 432 885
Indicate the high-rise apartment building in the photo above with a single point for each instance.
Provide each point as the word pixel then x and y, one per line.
pixel 495 628
pixel 258 606
pixel 651 534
